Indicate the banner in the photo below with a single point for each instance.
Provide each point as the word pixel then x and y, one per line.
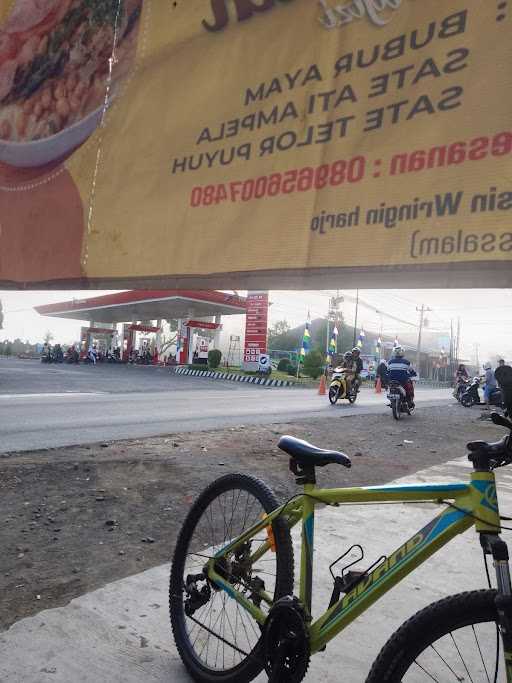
pixel 255 143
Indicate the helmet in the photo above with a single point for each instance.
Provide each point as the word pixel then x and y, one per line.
pixel 347 355
pixel 356 349
pixel 487 366
pixel 398 351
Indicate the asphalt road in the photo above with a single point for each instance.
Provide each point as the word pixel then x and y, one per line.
pixel 46 407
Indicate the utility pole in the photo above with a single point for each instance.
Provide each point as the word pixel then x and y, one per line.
pixel 457 347
pixel 355 320
pixel 477 360
pixel 424 309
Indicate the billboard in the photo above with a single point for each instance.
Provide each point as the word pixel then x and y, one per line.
pixel 255 143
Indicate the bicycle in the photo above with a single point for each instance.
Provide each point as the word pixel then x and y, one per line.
pixel 232 607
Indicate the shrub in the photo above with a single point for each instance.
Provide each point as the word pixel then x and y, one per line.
pixel 314 364
pixel 292 370
pixel 198 366
pixel 283 365
pixel 214 358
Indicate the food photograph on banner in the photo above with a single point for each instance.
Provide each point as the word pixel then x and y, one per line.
pixel 135 137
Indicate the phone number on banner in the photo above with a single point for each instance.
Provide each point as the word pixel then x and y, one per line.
pixel 276 184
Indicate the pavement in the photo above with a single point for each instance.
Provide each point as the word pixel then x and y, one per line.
pixel 120 633
pixel 51 406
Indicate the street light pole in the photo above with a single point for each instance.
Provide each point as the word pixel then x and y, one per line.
pixel 422 312
pixel 355 320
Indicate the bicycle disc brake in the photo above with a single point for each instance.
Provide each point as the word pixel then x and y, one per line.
pixel 286 641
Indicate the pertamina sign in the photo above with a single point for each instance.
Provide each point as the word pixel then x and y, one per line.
pixel 255 143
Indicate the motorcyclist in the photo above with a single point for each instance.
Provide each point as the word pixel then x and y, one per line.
pixel 401 371
pixel 91 354
pixel 356 356
pixel 503 375
pixel 462 374
pixel 461 379
pixel 348 366
pixel 490 382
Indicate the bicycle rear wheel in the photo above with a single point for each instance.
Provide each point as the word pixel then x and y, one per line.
pixel 454 639
pixel 218 641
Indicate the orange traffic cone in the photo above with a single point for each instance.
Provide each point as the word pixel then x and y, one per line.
pixel 321 387
pixel 378 386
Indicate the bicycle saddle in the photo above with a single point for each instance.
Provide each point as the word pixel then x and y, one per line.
pixel 308 455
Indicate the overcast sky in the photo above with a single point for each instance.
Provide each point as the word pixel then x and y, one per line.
pixel 486 315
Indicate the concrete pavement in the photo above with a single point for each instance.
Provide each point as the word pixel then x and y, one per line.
pixel 121 632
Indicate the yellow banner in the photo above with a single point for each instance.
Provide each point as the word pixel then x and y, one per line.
pixel 254 143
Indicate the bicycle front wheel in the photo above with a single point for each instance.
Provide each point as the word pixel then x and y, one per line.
pixel 454 639
pixel 218 641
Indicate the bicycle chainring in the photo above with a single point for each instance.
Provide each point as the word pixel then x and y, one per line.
pixel 286 640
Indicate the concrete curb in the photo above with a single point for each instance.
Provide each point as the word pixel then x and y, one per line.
pixel 233 377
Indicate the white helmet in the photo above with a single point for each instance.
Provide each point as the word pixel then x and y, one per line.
pixel 398 351
pixel 487 366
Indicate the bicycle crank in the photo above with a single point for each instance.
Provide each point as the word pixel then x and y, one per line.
pixel 286 641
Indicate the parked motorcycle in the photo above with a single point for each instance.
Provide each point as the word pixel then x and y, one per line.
pixel 471 396
pixel 338 387
pixel 397 398
pixel 460 388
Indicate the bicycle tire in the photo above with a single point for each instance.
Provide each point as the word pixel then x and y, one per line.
pixel 252 665
pixel 428 626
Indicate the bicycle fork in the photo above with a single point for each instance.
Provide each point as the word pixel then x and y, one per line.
pixel 493 545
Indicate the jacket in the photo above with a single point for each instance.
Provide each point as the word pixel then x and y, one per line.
pixel 400 370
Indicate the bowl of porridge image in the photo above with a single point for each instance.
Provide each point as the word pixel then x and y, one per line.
pixel 60 61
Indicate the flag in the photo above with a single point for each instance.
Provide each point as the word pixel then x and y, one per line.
pixel 332 345
pixel 361 339
pixel 306 339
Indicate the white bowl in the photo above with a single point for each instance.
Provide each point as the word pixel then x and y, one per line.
pixel 40 152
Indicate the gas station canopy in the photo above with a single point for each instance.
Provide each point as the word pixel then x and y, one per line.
pixel 166 304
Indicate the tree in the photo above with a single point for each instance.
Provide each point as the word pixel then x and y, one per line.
pixel 214 358
pixel 314 364
pixel 280 336
pixel 48 337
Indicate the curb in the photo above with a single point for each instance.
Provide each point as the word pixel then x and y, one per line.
pixel 232 377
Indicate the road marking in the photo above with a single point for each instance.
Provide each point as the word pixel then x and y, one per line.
pixel 68 394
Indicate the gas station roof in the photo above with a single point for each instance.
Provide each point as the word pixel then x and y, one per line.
pixel 166 304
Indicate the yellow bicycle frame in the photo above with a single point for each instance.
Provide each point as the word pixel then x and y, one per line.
pixel 465 503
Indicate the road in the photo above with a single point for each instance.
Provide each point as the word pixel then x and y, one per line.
pixel 76 406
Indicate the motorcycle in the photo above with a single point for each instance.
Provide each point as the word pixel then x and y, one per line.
pixel 460 388
pixel 338 387
pixel 471 396
pixel 397 398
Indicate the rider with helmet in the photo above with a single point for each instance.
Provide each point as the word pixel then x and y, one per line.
pixel 356 356
pixel 400 370
pixel 349 368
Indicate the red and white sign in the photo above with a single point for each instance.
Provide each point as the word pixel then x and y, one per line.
pixel 256 327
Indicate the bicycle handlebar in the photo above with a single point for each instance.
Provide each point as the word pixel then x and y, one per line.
pixel 494 454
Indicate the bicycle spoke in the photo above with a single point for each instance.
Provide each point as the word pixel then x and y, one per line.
pixel 461 658
pixel 457 677
pixel 425 671
pixel 480 652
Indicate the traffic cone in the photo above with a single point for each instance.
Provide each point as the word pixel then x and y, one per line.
pixel 321 387
pixel 378 386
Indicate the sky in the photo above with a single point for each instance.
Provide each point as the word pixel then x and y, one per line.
pixel 486 314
